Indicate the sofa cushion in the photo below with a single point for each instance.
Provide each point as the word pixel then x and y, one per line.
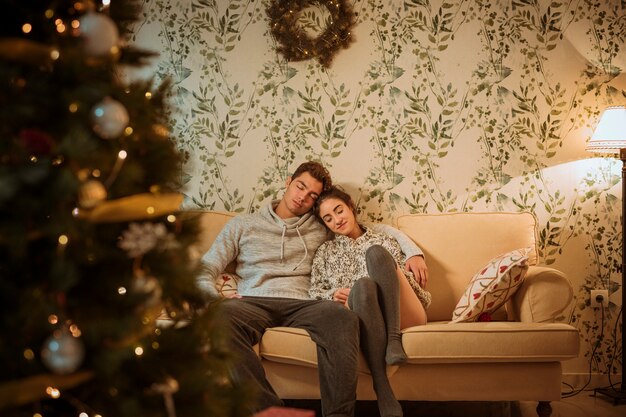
pixel 490 342
pixel 491 287
pixel 226 284
pixel 445 343
pixel 294 346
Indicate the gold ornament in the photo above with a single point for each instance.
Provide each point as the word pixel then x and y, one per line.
pixel 91 194
pixel 134 207
pixel 27 51
pixel 296 45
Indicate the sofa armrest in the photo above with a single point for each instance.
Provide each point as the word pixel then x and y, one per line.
pixel 542 297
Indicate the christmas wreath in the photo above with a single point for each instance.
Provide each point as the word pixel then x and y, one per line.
pixel 295 44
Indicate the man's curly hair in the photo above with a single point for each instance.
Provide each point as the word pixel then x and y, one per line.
pixel 317 171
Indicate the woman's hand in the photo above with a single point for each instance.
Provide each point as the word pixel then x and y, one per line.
pixel 417 265
pixel 341 296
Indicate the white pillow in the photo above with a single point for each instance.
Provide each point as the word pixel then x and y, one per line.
pixel 492 286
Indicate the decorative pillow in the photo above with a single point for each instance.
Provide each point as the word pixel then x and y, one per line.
pixel 492 286
pixel 226 284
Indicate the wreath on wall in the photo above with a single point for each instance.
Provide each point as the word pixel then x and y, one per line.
pixel 296 45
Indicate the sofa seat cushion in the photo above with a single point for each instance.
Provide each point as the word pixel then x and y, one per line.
pixel 440 342
pixel 445 343
pixel 294 346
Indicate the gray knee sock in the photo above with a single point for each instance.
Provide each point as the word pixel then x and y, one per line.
pixel 363 300
pixel 381 268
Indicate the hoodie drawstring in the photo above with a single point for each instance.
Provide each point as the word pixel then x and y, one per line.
pixel 306 251
pixel 282 243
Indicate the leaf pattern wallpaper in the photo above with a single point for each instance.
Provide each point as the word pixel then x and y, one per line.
pixel 436 106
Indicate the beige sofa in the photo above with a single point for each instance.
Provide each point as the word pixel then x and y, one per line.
pixel 516 357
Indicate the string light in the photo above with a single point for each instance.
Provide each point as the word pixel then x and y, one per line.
pixel 53 392
pixel 75 330
pixel 29 355
pixel 53 319
pixel 138 351
pixel 121 290
pixel 121 156
pixel 27 27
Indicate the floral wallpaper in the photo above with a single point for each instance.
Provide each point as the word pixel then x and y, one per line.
pixel 436 106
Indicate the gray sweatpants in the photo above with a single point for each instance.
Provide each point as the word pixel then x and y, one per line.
pixel 334 329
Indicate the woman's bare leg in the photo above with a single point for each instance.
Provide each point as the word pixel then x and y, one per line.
pixel 412 312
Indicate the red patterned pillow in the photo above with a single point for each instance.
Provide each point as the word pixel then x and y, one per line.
pixel 226 284
pixel 491 287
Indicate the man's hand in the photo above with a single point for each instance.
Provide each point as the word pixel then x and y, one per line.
pixel 341 296
pixel 417 265
pixel 234 295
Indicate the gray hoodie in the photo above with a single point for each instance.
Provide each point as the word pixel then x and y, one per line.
pixel 274 256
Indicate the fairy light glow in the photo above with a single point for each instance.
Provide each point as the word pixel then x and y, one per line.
pixel 121 290
pixel 150 210
pixel 73 107
pixel 27 27
pixel 138 351
pixel 122 154
pixel 29 355
pixel 75 330
pixel 53 319
pixel 63 240
pixel 171 218
pixel 53 392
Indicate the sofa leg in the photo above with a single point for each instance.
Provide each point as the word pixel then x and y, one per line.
pixel 544 409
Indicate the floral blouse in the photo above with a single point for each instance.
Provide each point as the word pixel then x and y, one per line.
pixel 339 262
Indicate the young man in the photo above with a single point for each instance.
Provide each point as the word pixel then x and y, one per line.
pixel 274 249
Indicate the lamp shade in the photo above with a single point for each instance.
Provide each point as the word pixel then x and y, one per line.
pixel 610 134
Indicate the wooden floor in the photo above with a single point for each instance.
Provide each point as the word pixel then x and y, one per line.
pixel 584 404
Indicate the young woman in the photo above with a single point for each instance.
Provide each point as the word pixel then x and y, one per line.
pixel 359 268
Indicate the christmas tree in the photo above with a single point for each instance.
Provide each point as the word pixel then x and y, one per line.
pixel 93 250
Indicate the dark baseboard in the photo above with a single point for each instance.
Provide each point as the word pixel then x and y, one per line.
pixel 426 408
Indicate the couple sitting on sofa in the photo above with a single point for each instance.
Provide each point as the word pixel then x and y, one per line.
pixel 284 284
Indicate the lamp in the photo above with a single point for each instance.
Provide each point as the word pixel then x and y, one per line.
pixel 610 137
